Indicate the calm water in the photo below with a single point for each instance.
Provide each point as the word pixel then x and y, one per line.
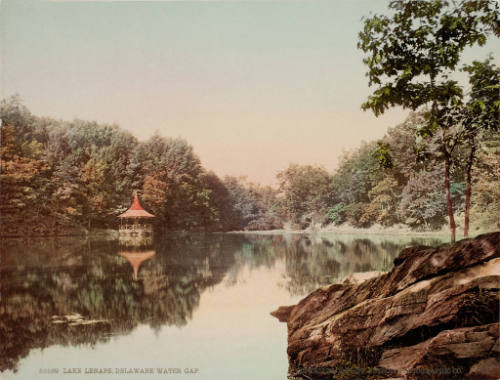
pixel 195 303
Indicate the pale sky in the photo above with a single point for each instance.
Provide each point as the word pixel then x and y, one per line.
pixel 253 85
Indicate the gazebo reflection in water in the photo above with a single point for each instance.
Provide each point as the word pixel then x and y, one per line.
pixel 135 235
pixel 137 258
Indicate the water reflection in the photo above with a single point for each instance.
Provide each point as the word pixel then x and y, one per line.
pixel 70 292
pixel 313 261
pixel 136 258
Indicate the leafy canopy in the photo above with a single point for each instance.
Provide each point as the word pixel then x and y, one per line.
pixel 411 53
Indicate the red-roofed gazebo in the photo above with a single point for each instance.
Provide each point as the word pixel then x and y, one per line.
pixel 136 225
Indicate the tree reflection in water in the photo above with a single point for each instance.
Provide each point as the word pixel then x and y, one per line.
pixel 71 291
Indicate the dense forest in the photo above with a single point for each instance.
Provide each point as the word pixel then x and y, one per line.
pixel 60 176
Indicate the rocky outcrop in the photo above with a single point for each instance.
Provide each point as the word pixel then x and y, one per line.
pixel 434 315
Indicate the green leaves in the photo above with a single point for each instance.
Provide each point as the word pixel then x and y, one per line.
pixel 383 155
pixel 482 110
pixel 408 51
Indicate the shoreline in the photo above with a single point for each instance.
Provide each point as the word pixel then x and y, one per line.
pixel 398 230
pixel 339 232
pixel 345 229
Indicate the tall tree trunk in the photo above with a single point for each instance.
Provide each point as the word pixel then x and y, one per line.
pixel 447 156
pixel 468 187
pixel 448 198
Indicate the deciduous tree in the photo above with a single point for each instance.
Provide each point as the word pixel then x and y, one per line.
pixel 481 113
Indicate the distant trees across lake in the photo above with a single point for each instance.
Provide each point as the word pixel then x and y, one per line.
pixel 364 190
pixel 60 176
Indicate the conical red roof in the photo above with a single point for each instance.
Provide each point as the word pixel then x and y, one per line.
pixel 136 210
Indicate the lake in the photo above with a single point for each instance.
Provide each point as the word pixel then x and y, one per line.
pixel 194 307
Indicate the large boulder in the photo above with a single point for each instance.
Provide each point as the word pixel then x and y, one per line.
pixel 434 315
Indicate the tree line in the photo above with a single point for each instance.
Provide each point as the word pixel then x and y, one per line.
pixel 364 190
pixel 82 174
pixel 60 175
